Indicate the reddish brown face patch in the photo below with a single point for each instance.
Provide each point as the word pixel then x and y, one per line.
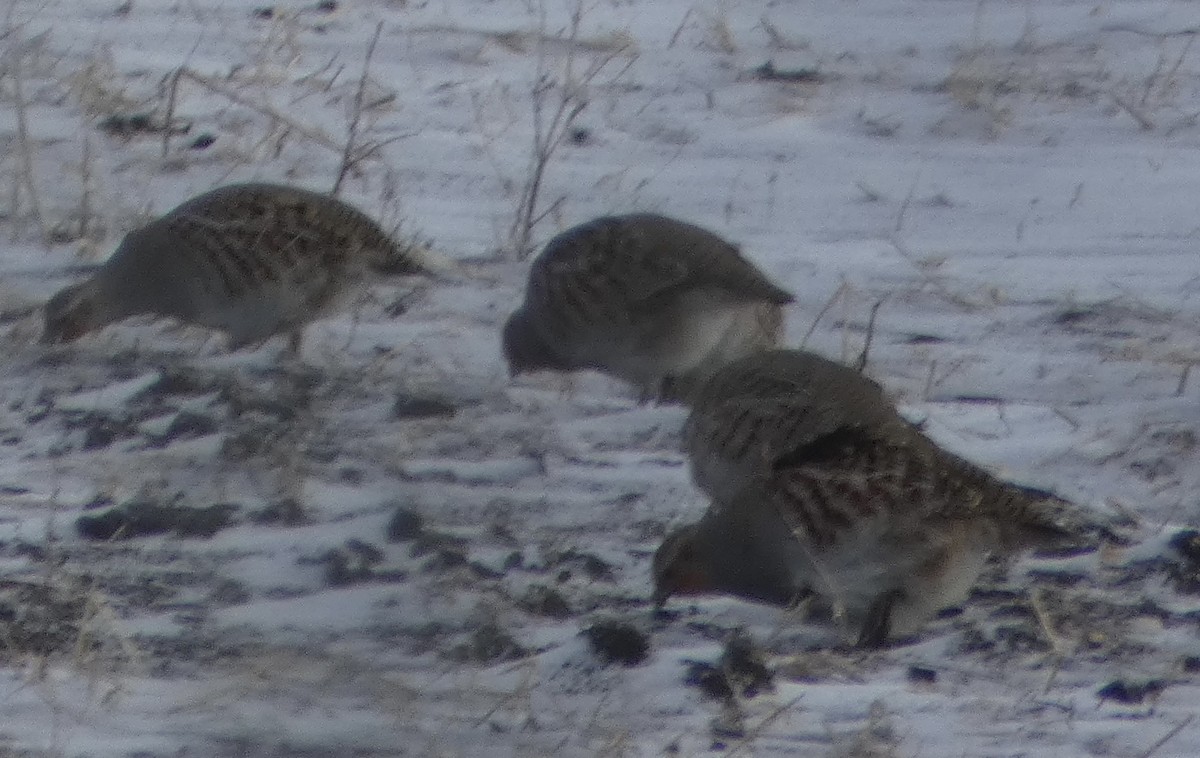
pixel 691 581
pixel 682 580
pixel 64 330
pixel 72 330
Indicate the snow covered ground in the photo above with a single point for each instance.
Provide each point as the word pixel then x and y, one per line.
pixel 394 550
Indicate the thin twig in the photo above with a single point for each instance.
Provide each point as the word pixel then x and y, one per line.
pixel 870 194
pixel 679 29
pixel 552 121
pixel 312 75
pixel 1169 76
pixel 1168 736
pixel 842 288
pixel 1143 120
pixel 1043 617
pixel 85 194
pixel 912 190
pixel 950 296
pixel 1187 46
pixel 17 54
pixel 371 149
pixel 1150 80
pixel 1076 195
pixel 845 302
pixel 349 159
pixel 862 358
pixel 1071 420
pixel 172 95
pixel 762 725
pixel 1190 30
pixel 315 135
pixel 929 380
pixel 552 208
pixel 1183 380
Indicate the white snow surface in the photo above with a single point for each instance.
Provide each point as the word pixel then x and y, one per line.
pixel 1014 182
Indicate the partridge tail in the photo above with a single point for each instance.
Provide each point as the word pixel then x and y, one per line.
pixel 1052 525
pixel 416 258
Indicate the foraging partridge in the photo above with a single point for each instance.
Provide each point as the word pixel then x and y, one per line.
pixel 657 302
pixel 251 260
pixel 820 486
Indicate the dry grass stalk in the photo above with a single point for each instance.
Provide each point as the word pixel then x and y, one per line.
pixel 902 213
pixel 26 180
pixel 1144 122
pixel 1184 372
pixel 866 348
pixel 745 746
pixel 221 88
pixel 1058 650
pixel 940 287
pixel 172 97
pixel 1167 737
pixel 96 86
pixel 980 81
pixel 930 381
pixel 85 190
pixel 556 105
pixel 679 29
pixel 350 156
pixel 722 36
pixel 842 291
pixel 876 739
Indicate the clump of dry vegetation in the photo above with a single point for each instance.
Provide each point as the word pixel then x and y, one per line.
pixel 569 66
pixel 57 618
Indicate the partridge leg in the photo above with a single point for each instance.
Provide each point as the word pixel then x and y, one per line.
pixel 878 621
pixel 295 339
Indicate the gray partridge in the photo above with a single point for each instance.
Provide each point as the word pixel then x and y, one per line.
pixel 251 260
pixel 654 301
pixel 820 487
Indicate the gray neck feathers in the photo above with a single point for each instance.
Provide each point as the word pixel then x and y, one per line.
pixel 146 275
pixel 525 348
pixel 748 555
